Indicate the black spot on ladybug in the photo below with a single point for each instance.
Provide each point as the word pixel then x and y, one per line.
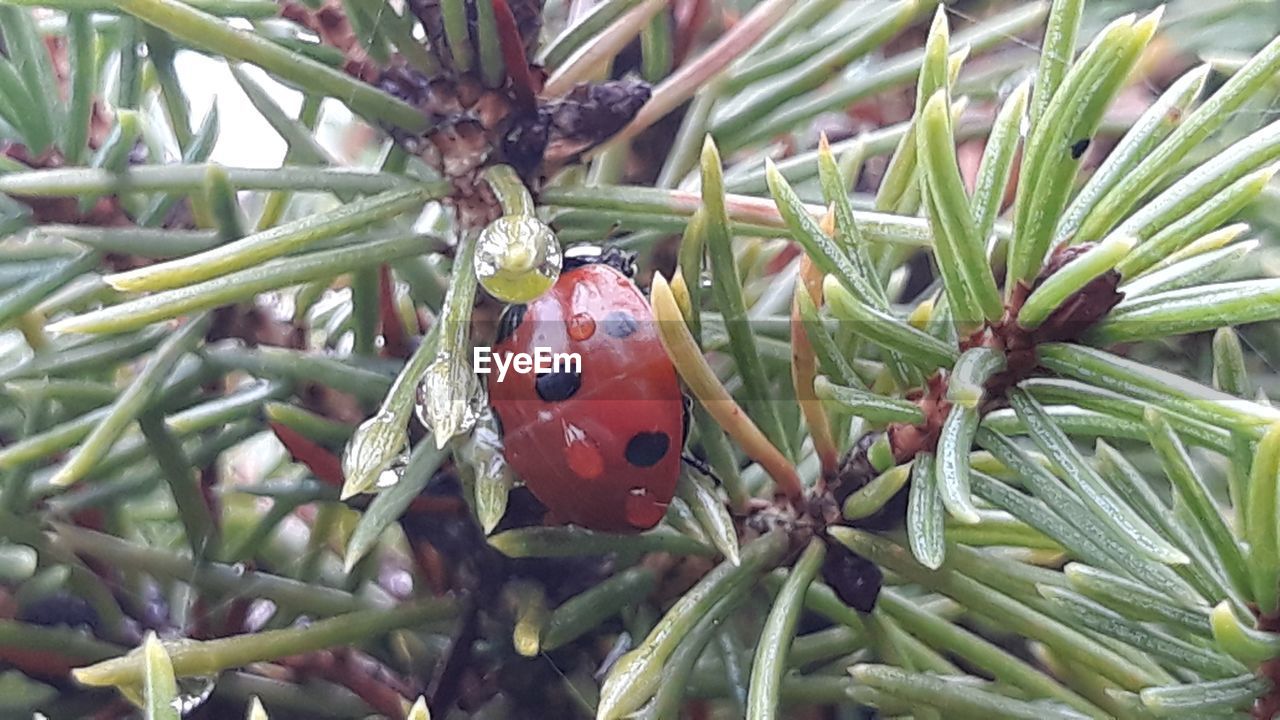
pixel 1078 148
pixel 557 386
pixel 855 579
pixel 619 324
pixel 509 321
pixel 645 449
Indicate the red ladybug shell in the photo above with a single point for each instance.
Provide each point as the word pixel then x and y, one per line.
pixel 600 449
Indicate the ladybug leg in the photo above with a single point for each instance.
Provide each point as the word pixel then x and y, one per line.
pixel 687 421
pixel 700 465
pixel 691 460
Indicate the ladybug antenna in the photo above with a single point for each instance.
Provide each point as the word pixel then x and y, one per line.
pixel 616 258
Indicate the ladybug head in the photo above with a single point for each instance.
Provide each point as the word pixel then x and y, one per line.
pixel 620 260
pixel 574 257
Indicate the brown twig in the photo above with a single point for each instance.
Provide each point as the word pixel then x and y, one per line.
pixel 686 81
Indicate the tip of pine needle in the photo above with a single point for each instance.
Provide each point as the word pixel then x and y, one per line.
pixel 419 711
pixel 64 477
pixel 965 516
pixel 1152 18
pixel 349 490
pixel 256 711
pixel 122 281
pixel 62 327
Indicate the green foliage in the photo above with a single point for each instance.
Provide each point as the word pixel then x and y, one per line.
pixel 958 363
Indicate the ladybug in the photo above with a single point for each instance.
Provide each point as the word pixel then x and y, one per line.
pixel 599 441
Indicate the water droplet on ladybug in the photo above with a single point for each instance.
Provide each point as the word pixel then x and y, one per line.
pixel 583 456
pixel 643 510
pixel 581 326
pixel 518 258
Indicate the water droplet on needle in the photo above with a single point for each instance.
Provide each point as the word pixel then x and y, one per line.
pixel 518 258
pixel 450 399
